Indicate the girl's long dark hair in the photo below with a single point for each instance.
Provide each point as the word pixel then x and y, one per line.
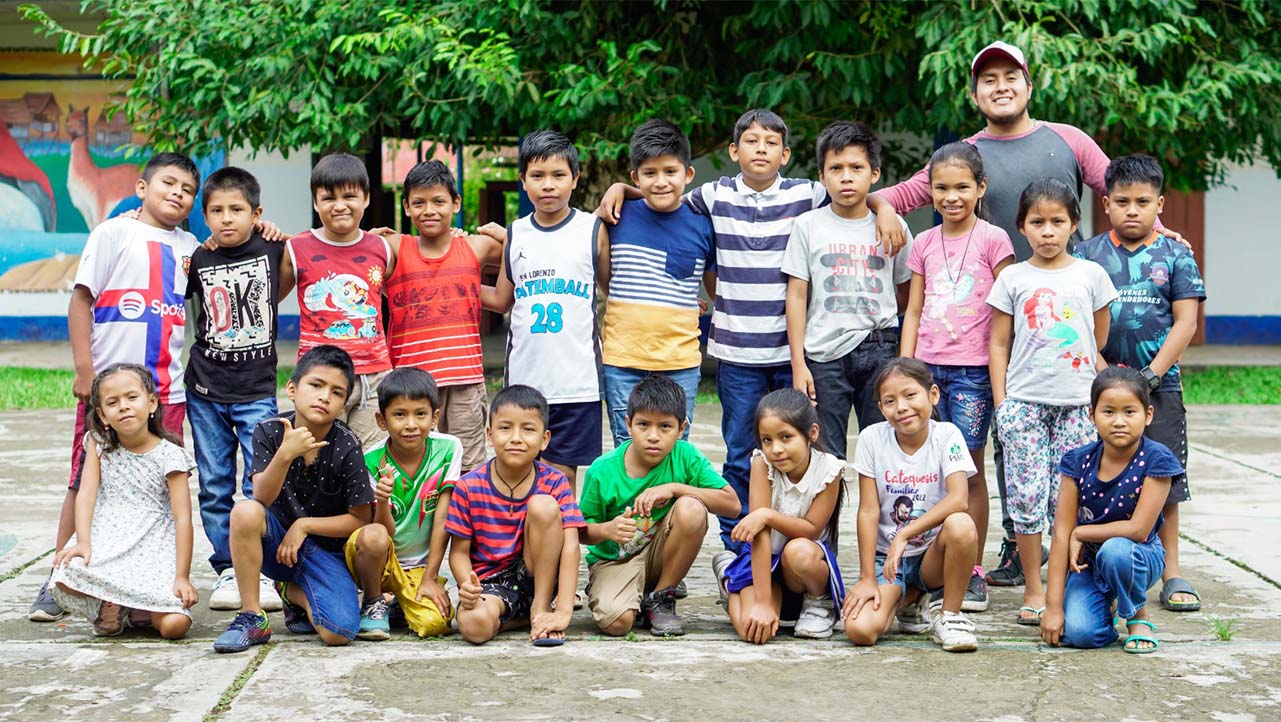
pixel 794 409
pixel 104 434
pixel 967 155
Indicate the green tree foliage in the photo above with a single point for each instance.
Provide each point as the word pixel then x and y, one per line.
pixel 1197 83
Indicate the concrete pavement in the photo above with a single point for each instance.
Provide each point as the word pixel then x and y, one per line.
pixel 1231 553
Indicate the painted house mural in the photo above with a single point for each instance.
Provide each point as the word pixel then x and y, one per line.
pixel 64 169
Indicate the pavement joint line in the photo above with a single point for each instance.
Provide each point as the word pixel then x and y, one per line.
pixel 1211 452
pixel 1234 562
pixel 233 690
pixel 23 567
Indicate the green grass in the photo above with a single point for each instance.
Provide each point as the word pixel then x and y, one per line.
pixel 1232 385
pixel 1223 629
pixel 26 388
pixel 23 388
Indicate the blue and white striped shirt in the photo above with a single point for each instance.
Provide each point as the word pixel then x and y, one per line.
pixel 751 228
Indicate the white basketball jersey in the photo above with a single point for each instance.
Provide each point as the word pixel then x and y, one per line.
pixel 552 340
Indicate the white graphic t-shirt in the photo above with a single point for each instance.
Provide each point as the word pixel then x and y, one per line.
pixel 1052 352
pixel 908 485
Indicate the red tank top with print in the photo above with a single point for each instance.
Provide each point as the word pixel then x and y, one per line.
pixel 340 289
pixel 435 312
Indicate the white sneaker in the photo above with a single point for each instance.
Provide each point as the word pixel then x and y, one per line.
pixel 226 594
pixel 267 595
pixel 915 618
pixel 818 616
pixel 720 562
pixel 954 632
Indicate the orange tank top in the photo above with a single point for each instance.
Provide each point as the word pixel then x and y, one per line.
pixel 435 312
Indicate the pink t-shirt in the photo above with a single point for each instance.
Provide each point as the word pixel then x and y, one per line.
pixel 956 320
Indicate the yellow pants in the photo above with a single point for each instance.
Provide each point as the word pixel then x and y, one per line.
pixel 422 616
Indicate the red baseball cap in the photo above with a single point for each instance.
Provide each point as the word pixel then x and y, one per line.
pixel 999 49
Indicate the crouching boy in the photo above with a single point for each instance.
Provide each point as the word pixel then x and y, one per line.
pixel 310 492
pixel 646 506
pixel 514 527
pixel 396 560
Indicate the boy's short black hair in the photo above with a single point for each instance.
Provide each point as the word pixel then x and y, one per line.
pixel 522 397
pixel 657 395
pixel 657 138
pixel 339 170
pixel 430 174
pixel 840 135
pixel 764 117
pixel 1134 168
pixel 410 383
pixel 170 160
pixel 232 178
pixel 328 356
pixel 545 144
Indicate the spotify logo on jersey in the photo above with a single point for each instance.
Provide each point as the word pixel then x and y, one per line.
pixel 132 305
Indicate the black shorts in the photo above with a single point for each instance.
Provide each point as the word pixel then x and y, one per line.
pixel 1170 427
pixel 576 433
pixel 515 586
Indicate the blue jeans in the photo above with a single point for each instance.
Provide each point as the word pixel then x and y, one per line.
pixel 741 388
pixel 216 430
pixel 321 574
pixel 965 400
pixel 1122 570
pixel 846 383
pixel 619 383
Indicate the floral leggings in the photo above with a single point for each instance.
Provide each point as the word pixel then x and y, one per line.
pixel 1035 437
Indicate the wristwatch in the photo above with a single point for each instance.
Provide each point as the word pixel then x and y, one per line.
pixel 1154 380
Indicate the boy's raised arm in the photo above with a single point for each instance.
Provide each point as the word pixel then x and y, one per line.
pixel 610 209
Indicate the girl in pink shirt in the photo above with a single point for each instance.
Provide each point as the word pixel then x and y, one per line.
pixel 948 321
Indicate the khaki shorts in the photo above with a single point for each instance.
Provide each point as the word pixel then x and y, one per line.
pixel 422 616
pixel 615 587
pixel 462 414
pixel 361 407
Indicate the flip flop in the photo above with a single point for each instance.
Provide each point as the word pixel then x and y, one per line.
pixel 549 641
pixel 1178 585
pixel 1030 622
pixel 1125 644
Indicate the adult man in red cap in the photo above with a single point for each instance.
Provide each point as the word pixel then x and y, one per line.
pixel 1016 150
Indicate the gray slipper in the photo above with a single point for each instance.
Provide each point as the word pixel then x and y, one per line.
pixel 1178 585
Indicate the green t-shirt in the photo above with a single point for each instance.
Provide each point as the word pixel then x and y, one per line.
pixel 608 491
pixel 413 501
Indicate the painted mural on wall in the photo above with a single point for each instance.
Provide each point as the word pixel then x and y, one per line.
pixel 64 169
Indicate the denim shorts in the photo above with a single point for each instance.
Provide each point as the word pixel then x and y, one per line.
pixel 909 573
pixel 965 400
pixel 321 574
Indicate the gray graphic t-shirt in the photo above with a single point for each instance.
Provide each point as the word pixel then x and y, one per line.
pixel 851 279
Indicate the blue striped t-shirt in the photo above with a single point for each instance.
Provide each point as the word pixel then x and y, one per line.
pixel 657 260
pixel 751 230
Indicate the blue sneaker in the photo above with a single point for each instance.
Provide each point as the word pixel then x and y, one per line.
pixel 374 625
pixel 296 620
pixel 246 630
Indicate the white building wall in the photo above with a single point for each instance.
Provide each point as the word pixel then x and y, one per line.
pixel 1243 244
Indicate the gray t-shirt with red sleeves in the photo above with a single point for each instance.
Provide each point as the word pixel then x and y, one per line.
pixel 1049 150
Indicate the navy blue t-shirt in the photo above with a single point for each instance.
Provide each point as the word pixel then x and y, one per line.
pixel 1104 501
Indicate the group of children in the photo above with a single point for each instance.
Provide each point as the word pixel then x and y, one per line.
pixel 351 500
